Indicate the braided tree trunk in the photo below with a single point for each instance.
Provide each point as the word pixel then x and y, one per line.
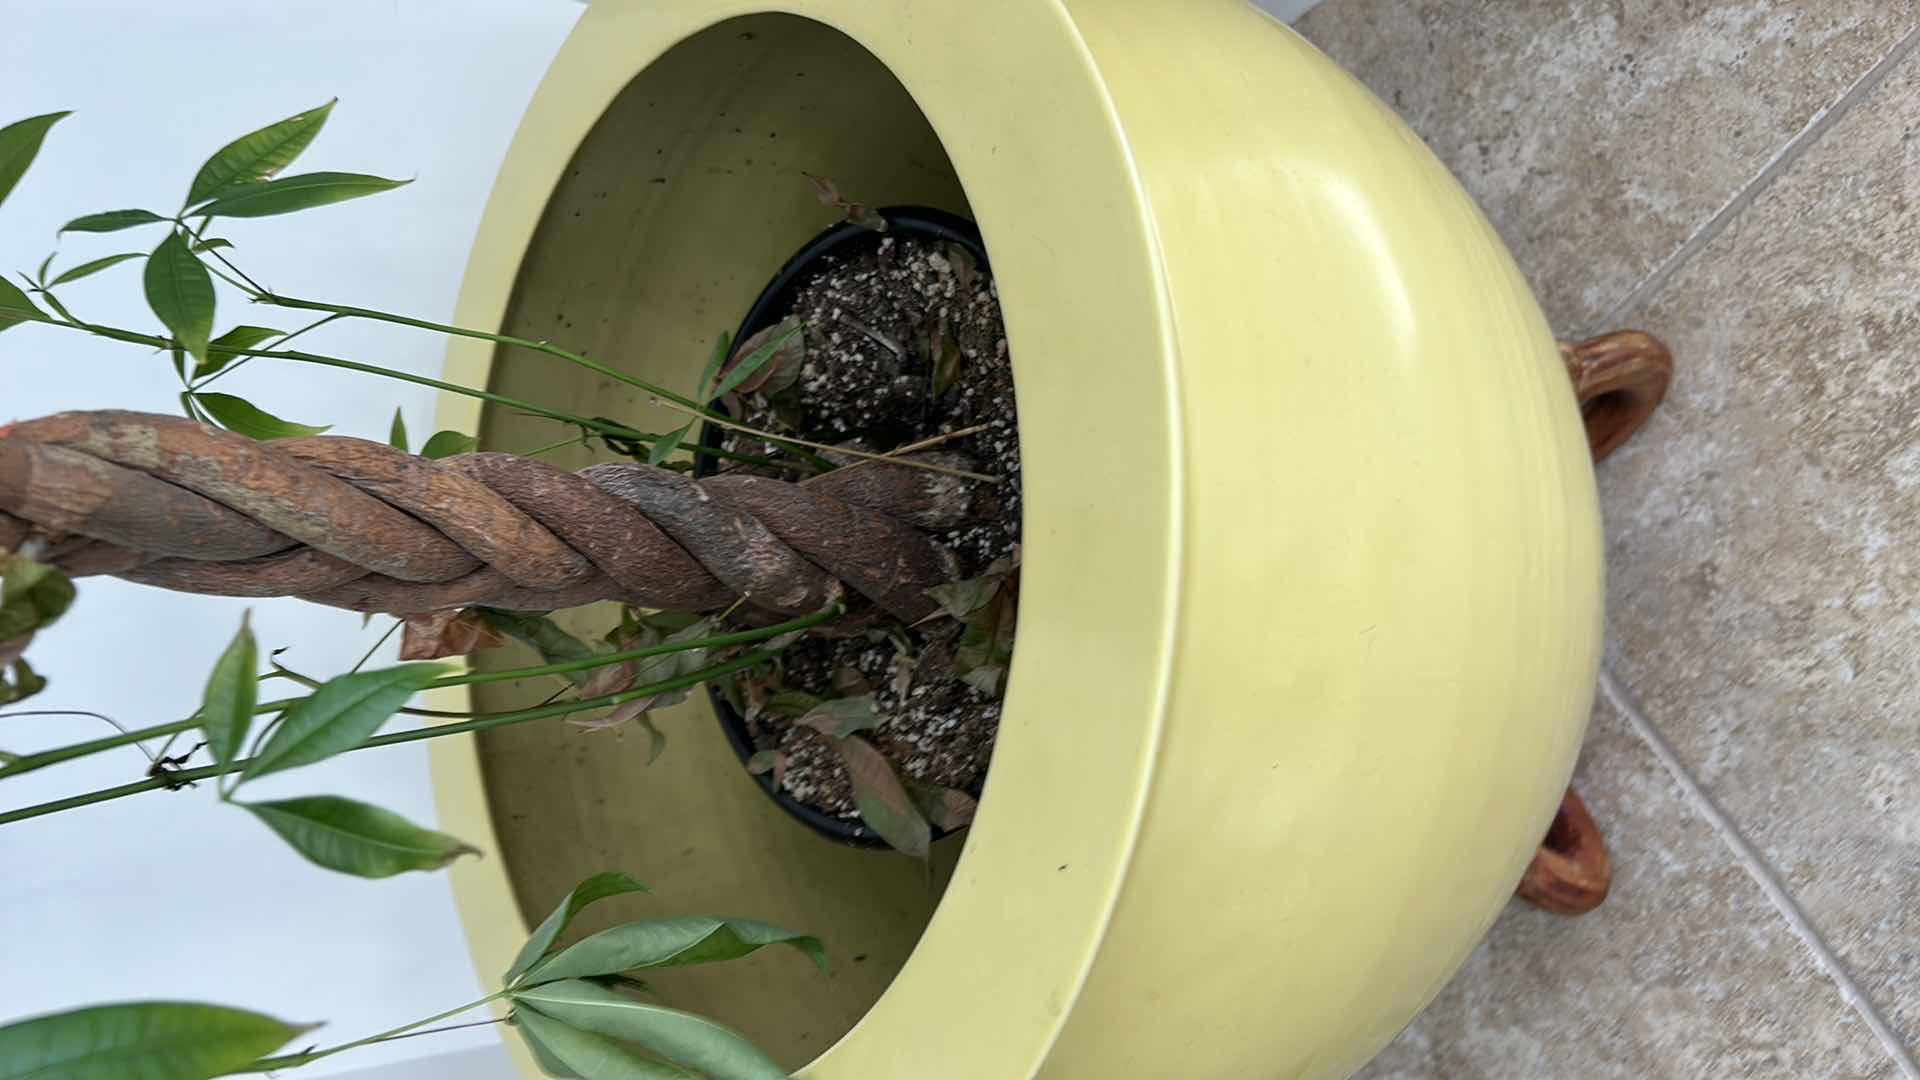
pixel 356 524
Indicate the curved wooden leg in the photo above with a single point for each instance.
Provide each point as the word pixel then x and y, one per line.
pixel 1620 378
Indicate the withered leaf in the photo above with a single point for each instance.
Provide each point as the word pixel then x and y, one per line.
pixel 882 800
pixel 767 362
pixel 842 716
pixel 447 633
pixel 848 682
pixel 962 598
pixel 965 270
pixel 945 807
pixel 943 346
pixel 829 195
pixel 902 674
pixel 769 761
pixel 987 678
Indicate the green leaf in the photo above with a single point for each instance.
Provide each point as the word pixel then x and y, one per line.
pixel 112 221
pixel 19 143
pixel 842 716
pixel 241 416
pixel 257 155
pixel 444 444
pixel 180 291
pixel 355 838
pixel 88 269
pixel 656 739
pixel 20 683
pixel 340 716
pixel 542 1057
pixel 717 1052
pixel 148 1040
pixel 714 360
pixel 33 596
pixel 598 887
pixel 15 308
pixel 582 1053
pixel 215 243
pixel 661 668
pixel 233 345
pixel 791 703
pixel 988 637
pixel 545 636
pixel 944 347
pixel 397 434
pixel 226 709
pixel 882 800
pixel 665 445
pixel 294 193
pixel 655 943
pixel 45 265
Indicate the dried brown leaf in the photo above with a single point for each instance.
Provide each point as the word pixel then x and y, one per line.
pixel 849 682
pixel 882 800
pixel 902 674
pixel 610 679
pixel 965 270
pixel 946 808
pixel 778 371
pixel 447 633
pixel 769 761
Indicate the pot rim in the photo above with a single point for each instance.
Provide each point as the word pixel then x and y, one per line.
pixel 1043 898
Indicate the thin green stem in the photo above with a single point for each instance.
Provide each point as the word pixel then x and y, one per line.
pixel 801 448
pixel 480 723
pixel 31 762
pixel 376 647
pixel 250 286
pixel 294 1061
pixel 686 404
pixel 617 430
pixel 536 451
pixel 27 763
pixel 718 641
pixel 282 340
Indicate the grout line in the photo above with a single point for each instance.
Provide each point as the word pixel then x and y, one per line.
pixel 1762 873
pixel 1776 165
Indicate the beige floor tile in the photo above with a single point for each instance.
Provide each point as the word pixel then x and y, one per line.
pixel 1766 535
pixel 1598 134
pixel 1685 972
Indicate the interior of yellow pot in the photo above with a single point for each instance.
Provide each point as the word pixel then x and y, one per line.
pixel 684 199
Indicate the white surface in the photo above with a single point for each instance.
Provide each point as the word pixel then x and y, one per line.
pixel 479 1063
pixel 171 895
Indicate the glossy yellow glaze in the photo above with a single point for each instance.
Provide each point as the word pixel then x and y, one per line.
pixel 1311 603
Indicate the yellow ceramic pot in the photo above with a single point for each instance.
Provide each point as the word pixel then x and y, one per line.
pixel 1311 603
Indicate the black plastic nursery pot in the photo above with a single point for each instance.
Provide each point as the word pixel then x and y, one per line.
pixel 833 246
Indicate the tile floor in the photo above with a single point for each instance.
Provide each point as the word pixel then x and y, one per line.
pixel 1741 178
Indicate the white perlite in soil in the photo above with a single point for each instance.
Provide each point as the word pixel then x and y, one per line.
pixel 871 326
